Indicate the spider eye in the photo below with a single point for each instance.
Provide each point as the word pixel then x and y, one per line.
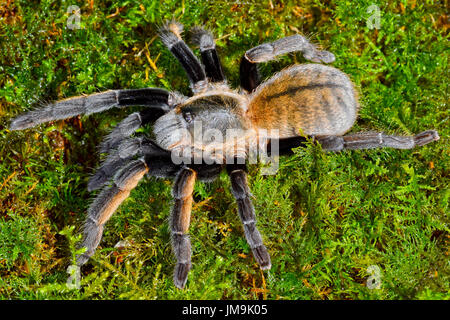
pixel 188 117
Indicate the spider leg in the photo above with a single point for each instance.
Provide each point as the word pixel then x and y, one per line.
pixel 205 40
pixel 109 199
pixel 250 78
pixel 106 203
pixel 134 121
pixel 249 74
pixel 98 102
pixel 179 224
pixel 170 34
pixel 126 151
pixel 366 140
pixel 128 126
pixel 370 140
pixel 139 146
pixel 241 192
pixel 284 145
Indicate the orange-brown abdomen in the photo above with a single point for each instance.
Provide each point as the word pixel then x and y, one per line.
pixel 312 99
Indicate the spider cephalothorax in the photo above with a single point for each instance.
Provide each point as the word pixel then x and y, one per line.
pixel 310 99
pixel 204 121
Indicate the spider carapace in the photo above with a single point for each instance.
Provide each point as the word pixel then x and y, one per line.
pixel 303 100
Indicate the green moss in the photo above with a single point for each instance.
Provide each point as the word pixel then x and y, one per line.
pixel 18 239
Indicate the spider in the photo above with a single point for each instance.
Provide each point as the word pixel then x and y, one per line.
pixel 303 100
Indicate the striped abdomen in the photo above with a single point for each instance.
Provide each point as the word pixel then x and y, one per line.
pixel 313 99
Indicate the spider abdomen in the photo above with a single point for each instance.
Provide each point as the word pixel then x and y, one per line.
pixel 312 99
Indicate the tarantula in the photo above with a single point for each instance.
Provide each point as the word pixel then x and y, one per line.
pixel 302 100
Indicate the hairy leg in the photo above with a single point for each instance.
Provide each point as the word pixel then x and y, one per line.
pixel 136 120
pixel 370 140
pixel 170 34
pixel 128 126
pixel 269 51
pixel 241 192
pixel 205 40
pixel 179 223
pixel 126 178
pixel 367 140
pixel 249 75
pixel 158 159
pixel 126 151
pixel 93 103
pixel 106 203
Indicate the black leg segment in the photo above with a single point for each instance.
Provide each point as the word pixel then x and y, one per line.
pixel 170 34
pixel 205 40
pixel 212 64
pixel 189 62
pixel 249 74
pixel 143 97
pixel 285 145
pixel 241 192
